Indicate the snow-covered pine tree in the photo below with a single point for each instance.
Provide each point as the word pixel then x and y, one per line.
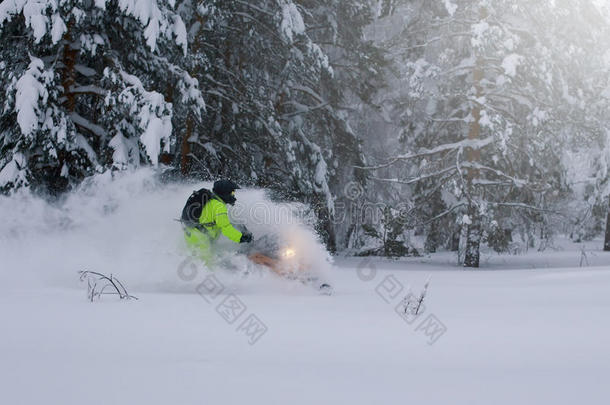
pixel 587 156
pixel 84 83
pixel 340 29
pixel 272 98
pixel 251 59
pixel 489 97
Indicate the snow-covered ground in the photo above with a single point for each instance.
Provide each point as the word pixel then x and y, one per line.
pixel 529 329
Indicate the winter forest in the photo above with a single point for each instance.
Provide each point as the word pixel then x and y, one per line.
pixel 463 122
pixel 466 123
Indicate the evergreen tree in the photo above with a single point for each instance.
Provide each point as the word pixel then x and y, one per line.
pixel 489 99
pixel 84 84
pixel 274 99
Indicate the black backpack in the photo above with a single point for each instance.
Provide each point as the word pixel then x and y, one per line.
pixel 194 205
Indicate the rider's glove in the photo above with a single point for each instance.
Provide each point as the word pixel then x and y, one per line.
pixel 246 237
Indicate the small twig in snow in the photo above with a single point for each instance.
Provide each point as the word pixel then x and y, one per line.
pixel 93 278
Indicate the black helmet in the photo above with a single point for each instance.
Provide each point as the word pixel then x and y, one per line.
pixel 225 189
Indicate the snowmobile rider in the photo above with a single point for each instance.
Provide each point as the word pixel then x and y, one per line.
pixel 214 220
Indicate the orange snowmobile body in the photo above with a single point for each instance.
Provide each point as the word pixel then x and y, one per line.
pixel 276 265
pixel 273 264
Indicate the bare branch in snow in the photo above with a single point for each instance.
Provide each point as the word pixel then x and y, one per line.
pixel 98 283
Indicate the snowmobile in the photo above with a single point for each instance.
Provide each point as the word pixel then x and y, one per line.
pixel 284 261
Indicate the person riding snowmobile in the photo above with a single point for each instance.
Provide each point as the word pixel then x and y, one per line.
pixel 205 217
pixel 213 221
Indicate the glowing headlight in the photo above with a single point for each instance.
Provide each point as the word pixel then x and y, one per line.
pixel 288 253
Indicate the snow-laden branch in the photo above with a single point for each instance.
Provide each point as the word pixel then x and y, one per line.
pixel 84 123
pixel 156 20
pixel 252 6
pixel 310 91
pixel 418 178
pixel 84 70
pixel 483 182
pixel 30 94
pixel 44 17
pixel 88 90
pixel 302 109
pixel 465 143
pixel 526 207
pixel 477 166
pixel 444 213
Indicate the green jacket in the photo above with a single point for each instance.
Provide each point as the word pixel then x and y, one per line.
pixel 215 219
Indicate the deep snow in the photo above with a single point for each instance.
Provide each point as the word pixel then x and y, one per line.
pixel 529 329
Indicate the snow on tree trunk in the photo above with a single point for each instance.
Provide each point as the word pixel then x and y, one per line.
pixel 607 239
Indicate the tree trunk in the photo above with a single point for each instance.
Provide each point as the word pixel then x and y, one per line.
pixel 432 238
pixel 324 223
pixel 473 154
pixel 68 77
pixel 185 147
pixel 461 244
pixel 607 239
pixel 473 232
pixel 454 242
pixel 473 239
